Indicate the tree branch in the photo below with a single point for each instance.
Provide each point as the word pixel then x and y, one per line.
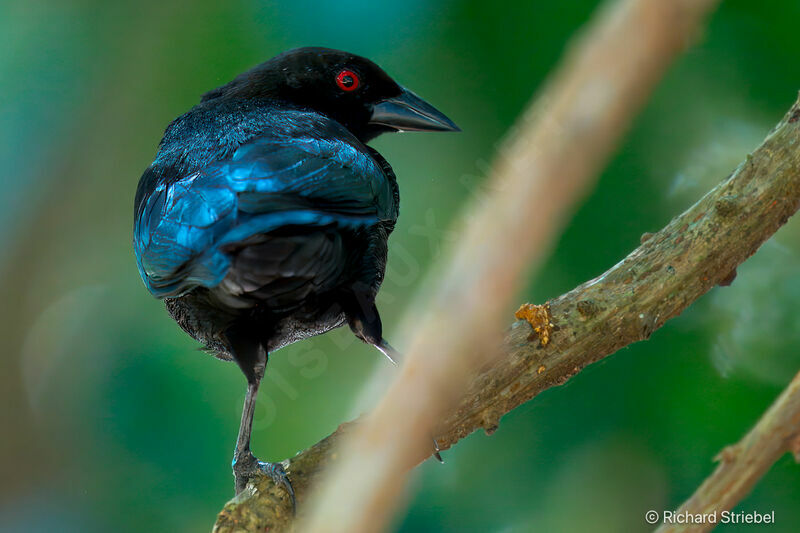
pixel 671 269
pixel 741 465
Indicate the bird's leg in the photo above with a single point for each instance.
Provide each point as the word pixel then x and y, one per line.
pixel 244 462
pixel 366 324
pixel 252 359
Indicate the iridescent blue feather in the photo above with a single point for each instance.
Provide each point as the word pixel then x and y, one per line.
pixel 304 172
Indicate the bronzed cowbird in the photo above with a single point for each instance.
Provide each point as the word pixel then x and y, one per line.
pixel 264 218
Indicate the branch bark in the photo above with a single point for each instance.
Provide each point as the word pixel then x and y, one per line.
pixel 741 465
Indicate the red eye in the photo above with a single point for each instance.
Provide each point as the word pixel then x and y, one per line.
pixel 347 80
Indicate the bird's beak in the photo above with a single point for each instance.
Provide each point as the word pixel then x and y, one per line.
pixel 409 112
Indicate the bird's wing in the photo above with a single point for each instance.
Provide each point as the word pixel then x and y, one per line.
pixel 319 179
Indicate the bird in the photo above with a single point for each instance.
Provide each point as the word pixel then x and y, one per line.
pixel 265 216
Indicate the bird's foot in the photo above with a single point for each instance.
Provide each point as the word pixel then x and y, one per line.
pixel 246 466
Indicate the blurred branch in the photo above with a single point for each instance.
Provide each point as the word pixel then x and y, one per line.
pixel 547 163
pixel 741 465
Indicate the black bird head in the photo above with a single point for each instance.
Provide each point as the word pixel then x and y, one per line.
pixel 349 89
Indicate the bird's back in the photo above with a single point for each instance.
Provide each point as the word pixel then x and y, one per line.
pixel 252 208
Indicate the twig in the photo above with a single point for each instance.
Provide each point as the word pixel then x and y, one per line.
pixel 741 465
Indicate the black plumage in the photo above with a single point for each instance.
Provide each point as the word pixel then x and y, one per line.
pixel 264 218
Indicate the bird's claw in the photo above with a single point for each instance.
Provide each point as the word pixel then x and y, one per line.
pixel 279 476
pixel 246 466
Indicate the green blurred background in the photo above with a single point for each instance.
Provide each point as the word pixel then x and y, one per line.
pixel 112 420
